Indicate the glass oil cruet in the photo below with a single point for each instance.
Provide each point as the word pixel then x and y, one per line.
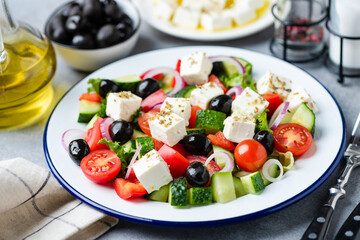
pixel 27 67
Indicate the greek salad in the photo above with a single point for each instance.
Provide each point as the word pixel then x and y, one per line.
pixel 202 132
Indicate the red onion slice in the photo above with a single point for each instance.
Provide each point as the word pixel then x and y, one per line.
pixel 132 162
pixel 267 165
pixel 229 164
pixel 105 128
pixel 157 106
pixel 234 91
pixel 179 81
pixel 69 135
pixel 234 61
pixel 280 116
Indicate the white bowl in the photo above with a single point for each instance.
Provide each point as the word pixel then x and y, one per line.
pixel 92 59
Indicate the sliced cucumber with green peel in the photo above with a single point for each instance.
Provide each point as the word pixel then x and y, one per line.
pixel 239 187
pixel 305 117
pixel 178 195
pixel 272 171
pixel 185 92
pixel 222 185
pixel 91 122
pixel 160 195
pixel 165 83
pixel 128 83
pixel 220 160
pixel 147 145
pixel 138 134
pixel 246 64
pixel 87 110
pixel 253 182
pixel 200 195
pixel 210 120
pixel 195 130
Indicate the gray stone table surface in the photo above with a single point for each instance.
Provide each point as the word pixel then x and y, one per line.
pixel 289 223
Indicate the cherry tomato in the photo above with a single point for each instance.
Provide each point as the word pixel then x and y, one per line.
pixel 93 136
pixel 128 189
pixel 91 97
pixel 154 98
pixel 212 167
pixel 143 121
pixel 250 155
pixel 192 119
pixel 274 102
pixel 218 83
pixel 219 140
pixel 292 137
pixel 101 166
pixel 178 65
pixel 176 162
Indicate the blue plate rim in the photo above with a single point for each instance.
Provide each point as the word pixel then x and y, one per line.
pixel 209 223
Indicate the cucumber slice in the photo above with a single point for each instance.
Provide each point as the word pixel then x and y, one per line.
pixel 273 172
pixel 219 159
pixel 195 130
pixel 212 121
pixel 239 187
pixel 178 195
pixel 165 83
pixel 91 122
pixel 87 110
pixel 305 117
pixel 200 195
pixel 253 182
pixel 128 83
pixel 230 69
pixel 246 64
pixel 222 185
pixel 138 134
pixel 185 92
pixel 160 195
pixel 147 145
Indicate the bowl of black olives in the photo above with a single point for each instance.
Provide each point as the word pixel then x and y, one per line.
pixel 89 34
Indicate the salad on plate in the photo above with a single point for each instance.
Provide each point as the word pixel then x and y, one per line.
pixel 202 132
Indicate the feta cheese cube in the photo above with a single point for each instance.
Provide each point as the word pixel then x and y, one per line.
pixel 195 68
pixel 193 5
pixel 213 5
pixel 180 106
pixel 202 95
pixel 298 96
pixel 213 21
pixel 238 128
pixel 164 9
pixel 241 14
pixel 122 105
pixel 270 83
pixel 152 171
pixel 186 18
pixel 254 4
pixel 167 127
pixel 249 103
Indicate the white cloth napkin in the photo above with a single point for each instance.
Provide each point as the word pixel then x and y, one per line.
pixel 33 205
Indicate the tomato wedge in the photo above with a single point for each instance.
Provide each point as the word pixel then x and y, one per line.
pixel 219 140
pixel 274 102
pixel 143 121
pixel 216 80
pixel 292 137
pixel 91 97
pixel 157 97
pixel 177 163
pixel 250 155
pixel 128 189
pixel 93 136
pixel 101 166
pixel 212 167
pixel 192 119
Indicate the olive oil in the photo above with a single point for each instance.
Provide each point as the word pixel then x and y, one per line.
pixel 25 79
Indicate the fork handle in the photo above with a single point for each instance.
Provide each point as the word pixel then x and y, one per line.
pixel 319 225
pixel 351 226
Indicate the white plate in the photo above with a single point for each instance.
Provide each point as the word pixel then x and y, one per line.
pixel 145 7
pixel 310 171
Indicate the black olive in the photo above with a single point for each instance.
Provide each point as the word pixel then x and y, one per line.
pixel 60 35
pixel 218 69
pixel 56 22
pixel 197 175
pixel 147 87
pixel 121 131
pixel 78 149
pixel 83 40
pixel 197 144
pixel 221 103
pixel 124 28
pixel 107 86
pixel 112 11
pixel 108 35
pixel 91 9
pixel 266 139
pixel 71 9
pixel 74 23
